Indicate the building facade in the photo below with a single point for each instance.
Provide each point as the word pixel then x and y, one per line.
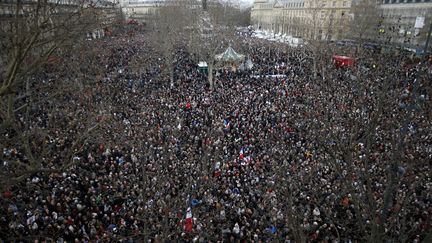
pixel 261 14
pixel 9 9
pixel 402 22
pixel 320 19
pixel 327 19
pixel 406 22
pixel 140 10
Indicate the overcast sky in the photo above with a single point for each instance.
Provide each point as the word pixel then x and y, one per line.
pixel 244 2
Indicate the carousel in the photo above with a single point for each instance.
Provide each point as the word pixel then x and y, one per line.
pixel 230 59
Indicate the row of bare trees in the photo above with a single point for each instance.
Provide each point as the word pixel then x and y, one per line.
pixel 37 37
pixel 369 140
pixel 204 29
pixel 321 24
pixel 41 35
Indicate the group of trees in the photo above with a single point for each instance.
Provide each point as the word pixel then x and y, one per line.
pixel 203 28
pixel 361 25
pixel 38 35
pixel 34 36
pixel 375 128
pixel 320 23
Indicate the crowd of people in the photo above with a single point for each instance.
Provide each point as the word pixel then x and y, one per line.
pixel 342 156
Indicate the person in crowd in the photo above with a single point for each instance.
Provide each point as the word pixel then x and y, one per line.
pixel 258 159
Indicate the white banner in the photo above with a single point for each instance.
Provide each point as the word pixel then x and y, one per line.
pixel 419 23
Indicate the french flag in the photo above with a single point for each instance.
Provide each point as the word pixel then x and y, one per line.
pixel 241 157
pixel 188 226
pixel 226 123
pixel 246 160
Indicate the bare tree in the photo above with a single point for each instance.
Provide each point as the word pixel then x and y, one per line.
pixel 366 22
pixel 209 35
pixel 317 24
pixel 365 132
pixel 171 23
pixel 33 36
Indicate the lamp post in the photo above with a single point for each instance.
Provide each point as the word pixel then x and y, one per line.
pixel 428 38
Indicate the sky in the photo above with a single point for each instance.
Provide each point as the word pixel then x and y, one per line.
pixel 243 3
pixel 246 1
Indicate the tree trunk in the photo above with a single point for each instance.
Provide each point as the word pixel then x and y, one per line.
pixel 323 72
pixel 210 75
pixel 171 71
pixel 204 5
pixel 314 67
pixel 170 67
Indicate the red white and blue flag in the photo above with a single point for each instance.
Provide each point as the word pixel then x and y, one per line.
pixel 241 156
pixel 188 226
pixel 226 123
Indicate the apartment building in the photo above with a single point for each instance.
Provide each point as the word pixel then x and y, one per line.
pixel 321 19
pixel 406 22
pixel 402 22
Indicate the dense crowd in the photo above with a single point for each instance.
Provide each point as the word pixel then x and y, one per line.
pixel 330 158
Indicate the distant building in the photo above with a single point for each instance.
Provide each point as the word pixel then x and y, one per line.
pixel 406 22
pixel 327 20
pixel 261 14
pixel 403 22
pixel 107 9
pixel 318 19
pixel 140 10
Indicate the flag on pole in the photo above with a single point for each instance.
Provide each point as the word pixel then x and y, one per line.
pixel 226 123
pixel 189 220
pixel 241 157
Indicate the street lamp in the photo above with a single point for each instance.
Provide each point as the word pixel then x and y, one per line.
pixel 428 38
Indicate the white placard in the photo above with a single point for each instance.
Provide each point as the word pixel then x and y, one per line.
pixel 419 23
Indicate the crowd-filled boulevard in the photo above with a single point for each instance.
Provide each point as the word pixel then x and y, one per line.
pixel 342 155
